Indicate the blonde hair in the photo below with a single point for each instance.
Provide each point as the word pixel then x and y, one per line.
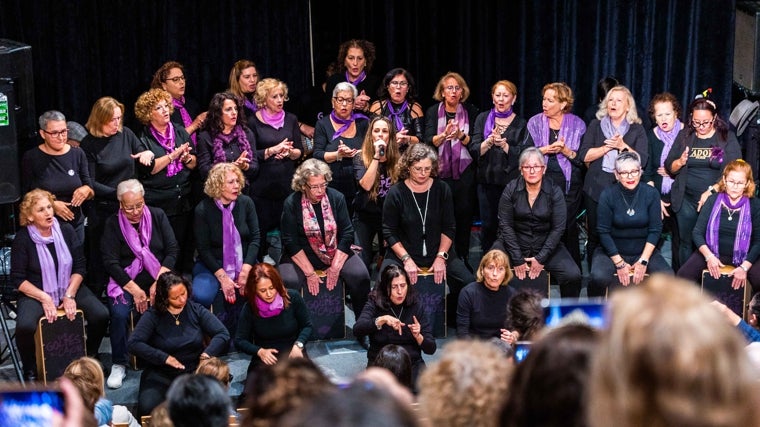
pixel 101 114
pixel 500 259
pixel 147 102
pixel 88 378
pixel 217 174
pixel 265 87
pixel 217 368
pixel 632 116
pixel 236 72
pixel 438 94
pixel 27 204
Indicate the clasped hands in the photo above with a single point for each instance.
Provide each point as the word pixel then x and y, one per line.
pixel 531 267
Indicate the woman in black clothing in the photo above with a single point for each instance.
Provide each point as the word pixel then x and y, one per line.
pixel 727 232
pixel 398 102
pixel 629 227
pixel 532 217
pixel 170 338
pixel 171 78
pixel 393 315
pixel 354 65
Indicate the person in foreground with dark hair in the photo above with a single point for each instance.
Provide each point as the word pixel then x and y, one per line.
pixel 198 401
pixel 397 361
pixel 170 339
pixel 525 317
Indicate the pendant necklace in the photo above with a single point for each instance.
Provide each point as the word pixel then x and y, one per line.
pixel 731 212
pixel 176 318
pixel 398 316
pixel 422 217
pixel 630 211
pixel 555 133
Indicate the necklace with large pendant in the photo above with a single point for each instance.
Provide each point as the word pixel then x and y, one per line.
pixel 176 318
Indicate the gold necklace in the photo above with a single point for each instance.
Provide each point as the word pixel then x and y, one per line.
pixel 176 318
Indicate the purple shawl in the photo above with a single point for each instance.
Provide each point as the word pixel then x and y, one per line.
pixel 140 247
pixel 232 247
pixel 743 229
pixel 167 142
pixel 572 129
pixel 453 156
pixel 179 104
pixel 54 283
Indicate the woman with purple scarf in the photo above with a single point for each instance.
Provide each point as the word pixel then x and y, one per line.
pixel 448 125
pixel 354 65
pixel 398 102
pixel 727 232
pixel 665 110
pixel 171 78
pixel 138 245
pixel 47 268
pixel 558 135
pixel 166 179
pixel 338 138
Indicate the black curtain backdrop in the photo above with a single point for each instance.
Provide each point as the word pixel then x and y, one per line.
pixel 85 49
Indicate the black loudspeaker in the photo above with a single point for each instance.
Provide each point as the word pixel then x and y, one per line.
pixel 10 188
pixel 16 64
pixel 747 45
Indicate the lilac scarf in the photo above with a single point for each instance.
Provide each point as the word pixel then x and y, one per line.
pixel 572 129
pixel 453 156
pixel 358 80
pixel 139 244
pixel 232 247
pixel 179 104
pixel 743 229
pixel 276 120
pixel 345 124
pixel 270 309
pixel 395 115
pixel 221 140
pixel 609 130
pixel 667 138
pixel 491 120
pixel 167 141
pixel 54 283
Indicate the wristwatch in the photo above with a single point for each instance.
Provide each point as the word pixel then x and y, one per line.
pixel 69 296
pixel 299 344
pixel 444 255
pixel 643 262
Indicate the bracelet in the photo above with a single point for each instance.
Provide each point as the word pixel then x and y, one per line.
pixel 621 265
pixel 743 268
pixel 73 297
pixel 313 273
pixel 405 257
pixel 707 258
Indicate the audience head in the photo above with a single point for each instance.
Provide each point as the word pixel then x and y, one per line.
pixel 87 375
pixel 393 288
pixel 415 154
pixel 398 86
pixel 26 208
pixel 549 386
pixel 151 106
pixel 356 55
pixel 198 401
pixel 452 84
pixel 525 314
pixel 268 88
pixel 221 179
pixel 224 112
pixel 243 78
pixel 466 385
pixel 396 359
pixel 172 291
pixel 171 78
pixel 665 110
pixel 753 311
pixel 159 416
pixel 263 282
pixel 494 269
pixel 619 103
pixel 311 170
pixel 739 173
pixel 558 92
pixel 217 368
pixel 77 132
pixel 106 118
pixel 669 358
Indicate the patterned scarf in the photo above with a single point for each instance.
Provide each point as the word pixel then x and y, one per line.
pixel 232 246
pixel 54 282
pixel 572 129
pixel 453 156
pixel 609 130
pixel 743 228
pixel 324 251
pixel 167 141
pixel 139 244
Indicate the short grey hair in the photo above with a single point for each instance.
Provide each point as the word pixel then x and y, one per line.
pixel 308 169
pixel 628 156
pixel 345 86
pixel 531 152
pixel 50 116
pixel 129 186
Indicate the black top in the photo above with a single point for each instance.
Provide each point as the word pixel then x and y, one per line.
pixel 362 204
pixel 117 255
pixel 621 233
pixel 402 221
pixel 161 190
pixel 596 178
pixel 208 231
pixel 25 264
pixel 273 180
pixel 157 336
pixel 495 166
pixel 343 169
pixel 727 231
pixel 294 237
pixel 279 332
pixel 526 231
pixel 193 109
pixel 110 161
pixel 481 312
pixel 232 152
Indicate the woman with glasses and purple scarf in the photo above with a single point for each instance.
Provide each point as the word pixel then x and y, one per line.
pixel 398 102
pixel 695 162
pixel 338 138
pixel 138 245
pixel 727 231
pixel 171 78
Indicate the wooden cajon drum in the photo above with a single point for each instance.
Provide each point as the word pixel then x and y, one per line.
pixel 433 299
pixel 57 344
pixel 721 290
pixel 542 283
pixel 327 310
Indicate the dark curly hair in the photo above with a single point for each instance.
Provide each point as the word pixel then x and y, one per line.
pixel 367 47
pixel 164 283
pixel 213 123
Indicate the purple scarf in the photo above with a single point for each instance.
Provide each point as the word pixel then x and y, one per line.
pixel 276 120
pixel 167 141
pixel 453 156
pixel 609 130
pixel 743 229
pixel 270 309
pixel 221 140
pixel 250 104
pixel 491 120
pixel 54 283
pixel 232 247
pixel 667 138
pixel 396 115
pixel 345 124
pixel 358 80
pixel 140 247
pixel 572 129
pixel 179 104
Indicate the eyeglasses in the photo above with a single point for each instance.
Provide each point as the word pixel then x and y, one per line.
pixel 532 169
pixel 321 186
pixel 453 88
pixel 735 183
pixel 57 134
pixel 698 125
pixel 343 101
pixel 398 83
pixel 161 107
pixel 175 79
pixel 420 169
pixel 134 208
pixel 630 174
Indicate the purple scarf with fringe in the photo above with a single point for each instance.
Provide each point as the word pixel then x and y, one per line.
pixel 743 228
pixel 667 138
pixel 54 281
pixel 139 244
pixel 232 247
pixel 452 154
pixel 572 129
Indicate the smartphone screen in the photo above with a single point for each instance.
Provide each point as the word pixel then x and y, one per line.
pixel 521 350
pixel 560 311
pixel 30 408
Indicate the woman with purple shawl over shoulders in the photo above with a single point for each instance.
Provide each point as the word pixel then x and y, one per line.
pixel 498 138
pixel 47 268
pixel 338 138
pixel 138 245
pixel 557 133
pixel 448 126
pixel 727 232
